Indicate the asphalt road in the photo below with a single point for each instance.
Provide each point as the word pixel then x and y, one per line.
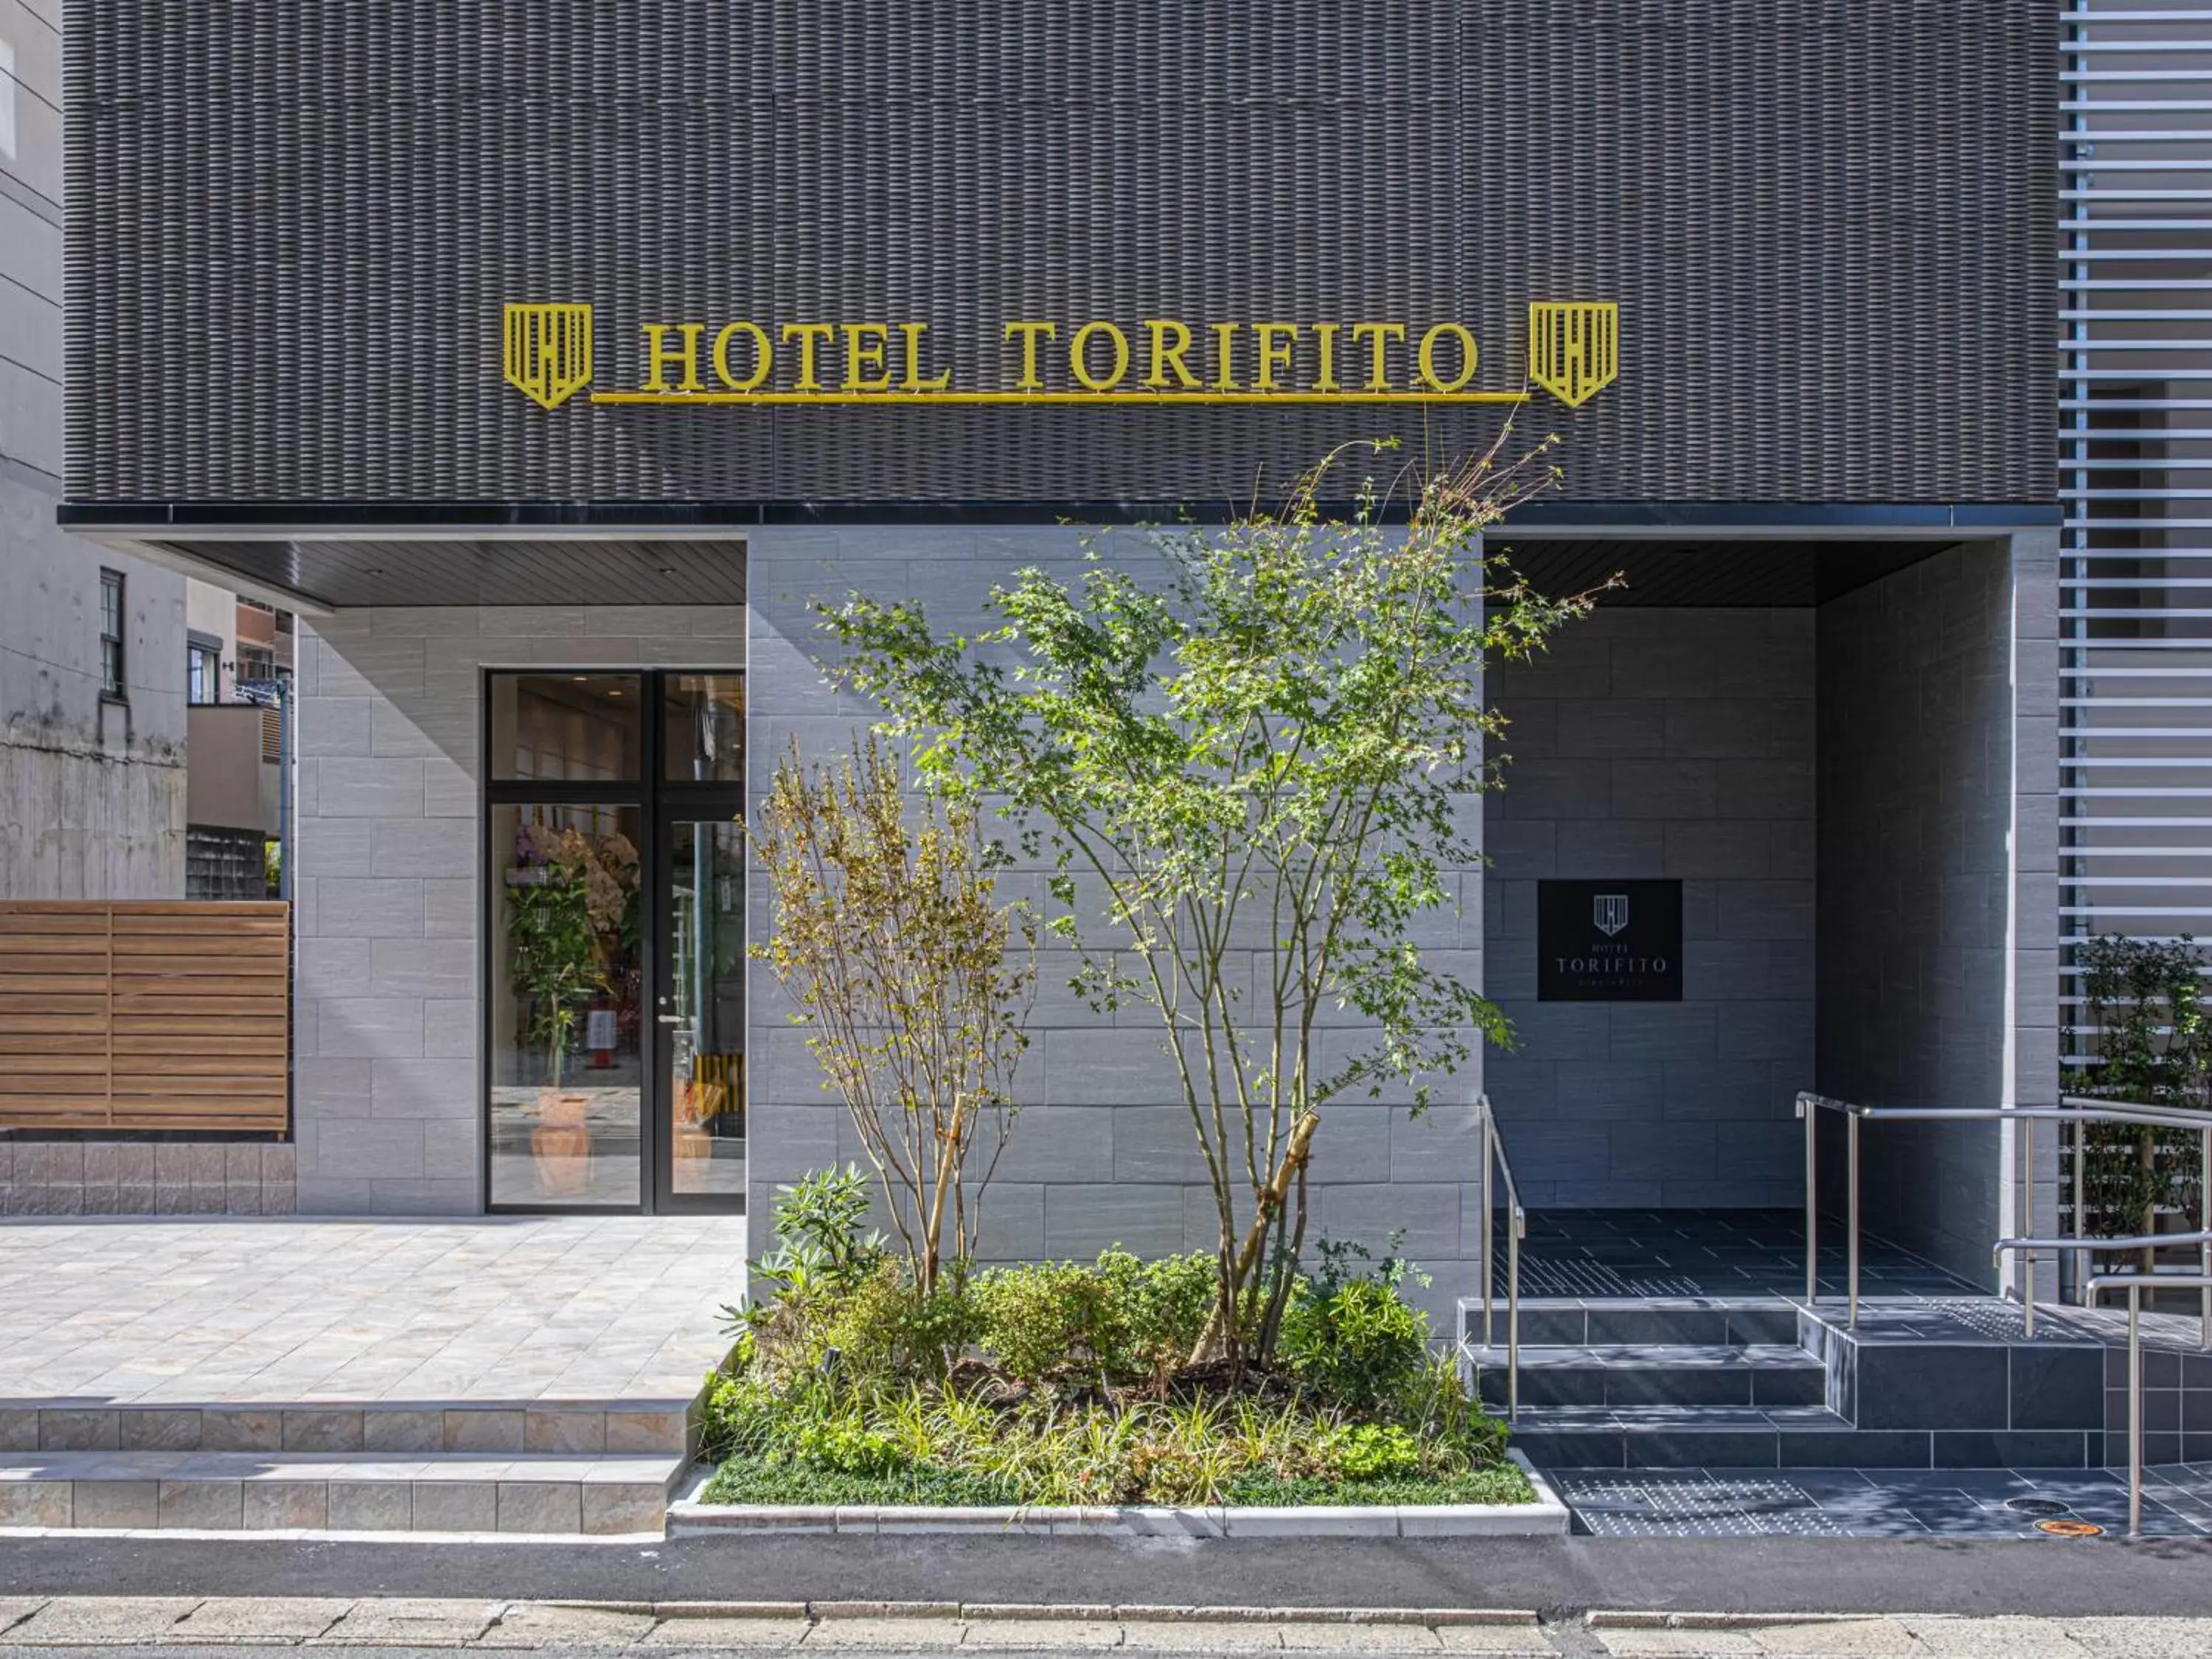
pixel 1556 1576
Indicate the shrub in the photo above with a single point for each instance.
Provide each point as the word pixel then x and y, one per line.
pixel 1119 1320
pixel 1353 1341
pixel 741 1416
pixel 888 1326
pixel 1053 1321
pixel 1163 1303
pixel 845 1445
pixel 1371 1451
pixel 818 1222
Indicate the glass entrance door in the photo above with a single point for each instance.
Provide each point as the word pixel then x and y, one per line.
pixel 614 923
pixel 700 1018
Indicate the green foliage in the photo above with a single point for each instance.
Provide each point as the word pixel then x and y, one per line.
pixel 913 979
pixel 1122 1321
pixel 572 915
pixel 822 1255
pixel 1351 1337
pixel 1204 1451
pixel 1164 1305
pixel 1276 734
pixel 553 955
pixel 1047 1320
pixel 2143 1007
pixel 821 1246
pixel 1502 1483
pixel 1371 1451
pixel 1064 1384
pixel 749 1480
pixel 887 1325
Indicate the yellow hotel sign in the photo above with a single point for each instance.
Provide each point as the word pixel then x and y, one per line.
pixel 1574 352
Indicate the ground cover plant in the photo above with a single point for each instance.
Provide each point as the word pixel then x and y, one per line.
pixel 1070 1384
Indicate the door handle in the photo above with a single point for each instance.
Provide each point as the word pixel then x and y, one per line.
pixel 670 1019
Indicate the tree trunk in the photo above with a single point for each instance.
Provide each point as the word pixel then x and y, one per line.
pixel 1238 1268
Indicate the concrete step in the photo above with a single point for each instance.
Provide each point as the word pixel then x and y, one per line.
pixel 1637 1374
pixel 1659 1436
pixel 1576 1322
pixel 554 1427
pixel 230 1491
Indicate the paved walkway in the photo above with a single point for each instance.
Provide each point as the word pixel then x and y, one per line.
pixel 200 1311
pixel 30 1626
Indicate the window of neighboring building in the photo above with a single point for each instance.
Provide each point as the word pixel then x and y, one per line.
pixel 110 634
pixel 203 673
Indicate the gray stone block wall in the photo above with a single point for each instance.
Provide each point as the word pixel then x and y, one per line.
pixel 1937 915
pixel 145 1177
pixel 1104 1151
pixel 1660 743
pixel 386 1103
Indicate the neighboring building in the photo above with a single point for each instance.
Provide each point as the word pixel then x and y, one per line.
pixel 238 673
pixel 92 640
pixel 551 415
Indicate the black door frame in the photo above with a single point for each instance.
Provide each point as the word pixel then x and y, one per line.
pixel 684 804
pixel 659 804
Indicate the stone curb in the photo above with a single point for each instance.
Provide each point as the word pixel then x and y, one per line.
pixel 1600 1618
pixel 1546 1517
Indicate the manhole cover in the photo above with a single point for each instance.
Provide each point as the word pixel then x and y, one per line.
pixel 2070 1528
pixel 2036 1506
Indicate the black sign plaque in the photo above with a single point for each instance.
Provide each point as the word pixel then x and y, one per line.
pixel 1608 941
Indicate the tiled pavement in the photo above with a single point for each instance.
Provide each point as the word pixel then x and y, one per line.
pixel 208 1311
pixel 1608 1254
pixel 37 1625
pixel 1877 1503
pixel 525 1375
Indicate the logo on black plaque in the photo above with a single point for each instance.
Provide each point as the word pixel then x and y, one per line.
pixel 1609 941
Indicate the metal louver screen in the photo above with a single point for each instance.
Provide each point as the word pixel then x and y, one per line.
pixel 292 231
pixel 2136 442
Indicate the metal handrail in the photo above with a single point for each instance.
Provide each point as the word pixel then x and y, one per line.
pixel 2079 1110
pixel 2081 1246
pixel 2134 1284
pixel 1494 1160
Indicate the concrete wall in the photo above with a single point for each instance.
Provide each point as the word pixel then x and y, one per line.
pixel 1660 743
pixel 91 792
pixel 385 1094
pixel 1104 1153
pixel 1937 910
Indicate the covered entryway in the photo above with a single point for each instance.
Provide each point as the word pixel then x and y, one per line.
pixel 1815 782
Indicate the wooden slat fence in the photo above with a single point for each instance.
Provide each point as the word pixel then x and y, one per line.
pixel 144 1015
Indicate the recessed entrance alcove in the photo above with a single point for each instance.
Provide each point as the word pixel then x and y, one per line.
pixel 1801 785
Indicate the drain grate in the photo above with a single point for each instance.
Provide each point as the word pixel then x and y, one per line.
pixel 2037 1506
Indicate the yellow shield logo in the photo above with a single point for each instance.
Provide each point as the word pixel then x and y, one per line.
pixel 549 351
pixel 1574 348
